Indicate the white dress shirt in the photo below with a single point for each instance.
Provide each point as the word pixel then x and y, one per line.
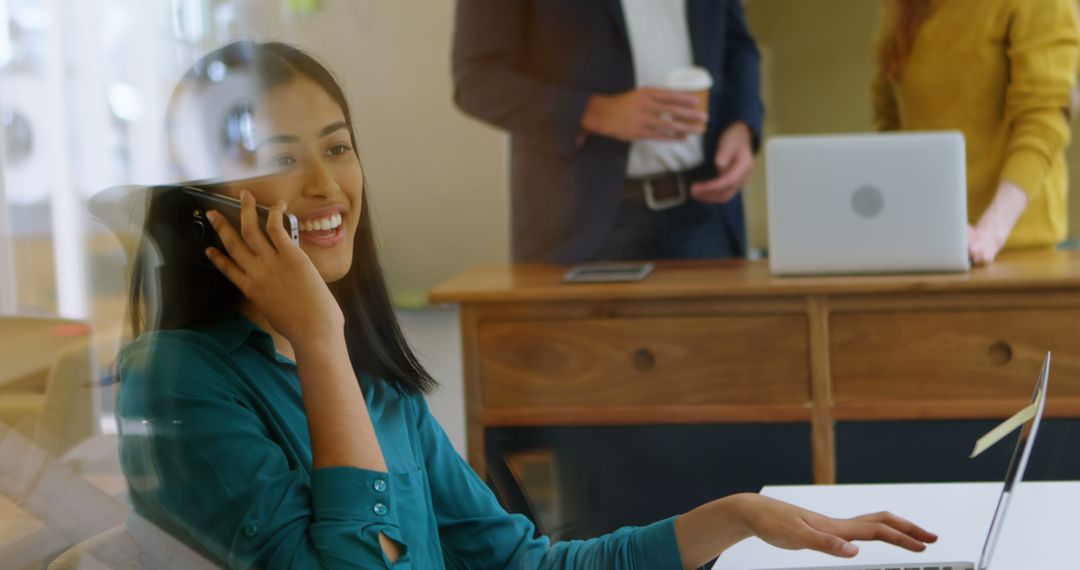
pixel 660 44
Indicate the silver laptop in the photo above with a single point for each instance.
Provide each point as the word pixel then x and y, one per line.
pixel 867 203
pixel 1013 475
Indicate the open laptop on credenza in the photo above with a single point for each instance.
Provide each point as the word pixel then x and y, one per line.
pixel 867 203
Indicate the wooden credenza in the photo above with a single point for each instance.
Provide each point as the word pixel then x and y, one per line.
pixel 726 342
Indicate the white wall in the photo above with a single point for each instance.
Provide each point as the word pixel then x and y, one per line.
pixel 435 336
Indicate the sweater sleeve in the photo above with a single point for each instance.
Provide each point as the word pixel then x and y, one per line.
pixel 201 464
pixel 1042 47
pixel 477 533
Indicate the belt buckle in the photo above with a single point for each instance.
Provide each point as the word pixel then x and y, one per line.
pixel 665 198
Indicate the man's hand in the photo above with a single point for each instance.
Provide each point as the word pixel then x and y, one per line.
pixel 734 162
pixel 644 113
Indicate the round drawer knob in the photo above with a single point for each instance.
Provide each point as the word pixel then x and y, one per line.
pixel 1000 353
pixel 644 359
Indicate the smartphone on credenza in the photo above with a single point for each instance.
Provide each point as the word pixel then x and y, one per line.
pixel 608 272
pixel 200 200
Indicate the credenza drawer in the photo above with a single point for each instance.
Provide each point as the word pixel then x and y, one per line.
pixel 952 355
pixel 644 361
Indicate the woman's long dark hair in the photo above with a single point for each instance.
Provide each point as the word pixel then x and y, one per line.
pixel 185 292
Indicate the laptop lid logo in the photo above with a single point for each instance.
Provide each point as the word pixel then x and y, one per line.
pixel 867 202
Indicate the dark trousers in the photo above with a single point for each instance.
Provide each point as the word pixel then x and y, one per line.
pixel 692 230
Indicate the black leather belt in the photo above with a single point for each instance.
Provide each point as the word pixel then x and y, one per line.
pixel 658 192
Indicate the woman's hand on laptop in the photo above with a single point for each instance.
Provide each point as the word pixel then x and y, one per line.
pixel 988 237
pixel 982 246
pixel 787 526
pixel 707 531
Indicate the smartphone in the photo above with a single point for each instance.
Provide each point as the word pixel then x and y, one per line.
pixel 602 272
pixel 199 201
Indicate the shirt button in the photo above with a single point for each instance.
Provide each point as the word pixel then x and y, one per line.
pixel 380 509
pixel 379 485
pixel 251 529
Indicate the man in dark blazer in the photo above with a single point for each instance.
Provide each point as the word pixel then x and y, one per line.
pixel 559 75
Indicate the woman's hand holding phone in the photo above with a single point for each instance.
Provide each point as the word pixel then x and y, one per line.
pixel 276 276
pixel 286 290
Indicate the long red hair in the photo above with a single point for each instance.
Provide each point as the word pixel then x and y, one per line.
pixel 903 18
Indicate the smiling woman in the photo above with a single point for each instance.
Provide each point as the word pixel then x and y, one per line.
pixel 272 415
pixel 318 173
pixel 236 117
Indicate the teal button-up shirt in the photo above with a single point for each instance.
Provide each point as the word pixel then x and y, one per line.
pixel 215 446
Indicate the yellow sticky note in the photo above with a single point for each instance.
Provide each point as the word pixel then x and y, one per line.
pixel 1005 428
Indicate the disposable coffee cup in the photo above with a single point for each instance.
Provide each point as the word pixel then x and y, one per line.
pixel 694 80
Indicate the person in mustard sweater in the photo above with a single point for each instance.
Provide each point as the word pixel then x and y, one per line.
pixel 1002 72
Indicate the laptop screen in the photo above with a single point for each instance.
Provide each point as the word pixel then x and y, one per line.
pixel 1015 472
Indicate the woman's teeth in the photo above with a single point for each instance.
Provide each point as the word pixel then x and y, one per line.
pixel 321 224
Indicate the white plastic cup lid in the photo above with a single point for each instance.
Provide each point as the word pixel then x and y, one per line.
pixel 690 79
